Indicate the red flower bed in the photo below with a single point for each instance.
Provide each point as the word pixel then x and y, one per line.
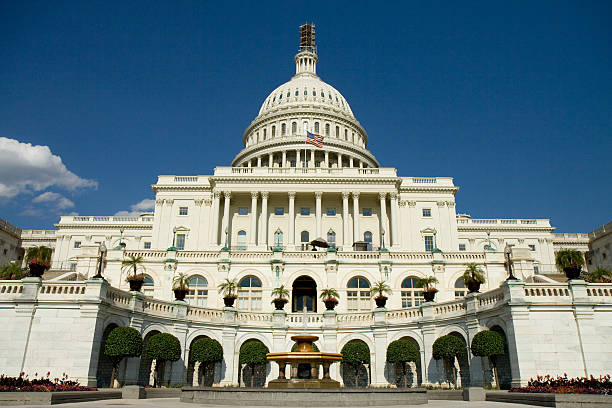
pixel 42 384
pixel 565 385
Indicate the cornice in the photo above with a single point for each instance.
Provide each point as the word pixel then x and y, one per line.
pixel 428 189
pixel 181 187
pixel 105 226
pixel 488 227
pixel 303 180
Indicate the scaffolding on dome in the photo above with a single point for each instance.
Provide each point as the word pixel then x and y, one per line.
pixel 307 38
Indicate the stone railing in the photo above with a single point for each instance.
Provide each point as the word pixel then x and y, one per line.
pixel 503 222
pixel 256 318
pixel 536 292
pixel 491 298
pixel 200 314
pixel 297 319
pixel 62 289
pixel 10 288
pixel 118 297
pixel 449 308
pixel 600 292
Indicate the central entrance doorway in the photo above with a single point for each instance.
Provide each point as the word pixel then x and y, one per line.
pixel 304 294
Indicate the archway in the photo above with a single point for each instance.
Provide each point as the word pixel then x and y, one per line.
pixel 204 379
pixel 419 373
pixel 144 370
pixel 252 372
pixel 304 294
pixel 504 371
pixel 105 366
pixel 464 365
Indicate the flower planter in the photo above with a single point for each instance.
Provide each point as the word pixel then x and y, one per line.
pixel 381 301
pixel 279 304
pixel 136 285
pixel 229 301
pixel 430 295
pixel 179 294
pixel 572 272
pixel 330 304
pixel 473 286
pixel 36 269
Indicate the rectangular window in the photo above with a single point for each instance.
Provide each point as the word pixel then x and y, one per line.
pixel 429 243
pixel 532 247
pixel 243 211
pixel 279 211
pixel 366 212
pixel 147 245
pixel 73 267
pixel 536 269
pixel 305 211
pixel 77 244
pixel 182 210
pixel 462 247
pixel 331 212
pixel 180 242
pixel 426 212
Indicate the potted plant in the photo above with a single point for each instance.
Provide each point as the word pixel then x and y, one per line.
pixel 570 261
pixel 228 289
pixel 38 259
pixel 136 280
pixel 473 277
pixel 429 292
pixel 280 295
pixel 330 298
pixel 179 286
pixel 599 275
pixel 381 288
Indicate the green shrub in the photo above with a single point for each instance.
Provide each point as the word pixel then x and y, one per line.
pixel 12 271
pixel 488 343
pixel 448 347
pixel 355 353
pixel 163 347
pixel 402 351
pixel 122 342
pixel 206 350
pixel 568 257
pixel 252 353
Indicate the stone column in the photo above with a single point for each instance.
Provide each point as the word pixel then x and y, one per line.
pixel 214 232
pixel 263 229
pixel 394 240
pixel 284 162
pixel 345 224
pixel 326 159
pixel 383 215
pixel 339 160
pixel 298 159
pixel 259 161
pixel 312 158
pixel 350 162
pixel 291 233
pixel 249 163
pixel 226 215
pixel 355 216
pixel 271 160
pixel 253 232
pixel 318 195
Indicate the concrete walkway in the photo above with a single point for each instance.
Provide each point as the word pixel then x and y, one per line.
pixel 174 402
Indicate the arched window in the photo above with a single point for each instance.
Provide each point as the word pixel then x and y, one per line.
pixel 305 240
pixel 242 240
pixel 274 129
pixel 367 237
pixel 316 127
pixel 148 287
pixel 460 290
pixel 265 132
pixel 278 238
pixel 337 132
pixel 198 291
pixel 331 238
pixel 283 129
pixel 249 293
pixel 293 128
pixel 358 294
pixel 327 129
pixel 411 295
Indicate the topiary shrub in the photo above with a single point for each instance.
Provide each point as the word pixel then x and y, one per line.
pixel 163 347
pixel 489 343
pixel 355 353
pixel 207 351
pixel 400 352
pixel 448 348
pixel 122 342
pixel 253 353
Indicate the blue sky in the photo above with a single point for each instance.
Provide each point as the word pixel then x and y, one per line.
pixel 512 99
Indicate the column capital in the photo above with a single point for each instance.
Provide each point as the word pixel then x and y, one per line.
pixel 198 201
pixel 227 194
pixel 159 201
pixel 355 194
pixel 318 194
pixel 216 193
pixel 265 194
pixel 412 203
pixel 345 195
pixel 382 195
pixel 441 203
pixel 291 194
pixel 254 194
pixel 393 195
pixel 169 201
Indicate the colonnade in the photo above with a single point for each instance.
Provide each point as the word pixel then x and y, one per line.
pixel 259 220
pixel 305 158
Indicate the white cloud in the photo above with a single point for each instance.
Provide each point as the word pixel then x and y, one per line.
pixel 58 200
pixel 26 168
pixel 146 205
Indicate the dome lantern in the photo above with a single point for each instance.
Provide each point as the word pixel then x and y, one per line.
pixel 306 59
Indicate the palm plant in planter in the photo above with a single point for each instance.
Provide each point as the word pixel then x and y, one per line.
pixel 381 288
pixel 136 280
pixel 599 275
pixel 330 297
pixel 570 261
pixel 228 289
pixel 429 292
pixel 473 277
pixel 38 259
pixel 280 295
pixel 179 286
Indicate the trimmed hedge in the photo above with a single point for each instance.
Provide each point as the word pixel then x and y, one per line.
pixel 123 342
pixel 163 347
pixel 448 347
pixel 355 353
pixel 206 350
pixel 402 351
pixel 253 352
pixel 488 343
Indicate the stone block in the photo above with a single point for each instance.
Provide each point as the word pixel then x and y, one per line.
pixel 474 394
pixel 133 392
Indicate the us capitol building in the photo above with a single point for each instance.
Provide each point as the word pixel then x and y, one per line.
pixel 255 220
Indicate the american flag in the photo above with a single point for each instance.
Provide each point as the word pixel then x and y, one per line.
pixel 316 140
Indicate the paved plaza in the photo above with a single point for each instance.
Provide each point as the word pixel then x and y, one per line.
pixel 174 402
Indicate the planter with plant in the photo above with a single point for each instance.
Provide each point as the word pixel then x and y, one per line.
pixel 429 292
pixel 12 271
pixel 473 277
pixel 599 275
pixel 381 287
pixel 228 289
pixel 570 261
pixel 329 296
pixel 136 280
pixel 39 260
pixel 179 286
pixel 279 296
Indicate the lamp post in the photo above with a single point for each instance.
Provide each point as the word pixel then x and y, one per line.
pixel 277 240
pixel 382 238
pixel 101 261
pixel 508 252
pixel 226 248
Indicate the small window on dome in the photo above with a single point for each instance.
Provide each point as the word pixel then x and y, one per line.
pixel 296 92
pixel 288 94
pixel 293 128
pixel 316 127
pixel 314 92
pixel 336 98
pixel 305 92
pixel 327 129
pixel 273 131
pixel 323 94
pixel 274 99
pixel 337 132
pixel 280 96
pixel 283 129
pixel 330 98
